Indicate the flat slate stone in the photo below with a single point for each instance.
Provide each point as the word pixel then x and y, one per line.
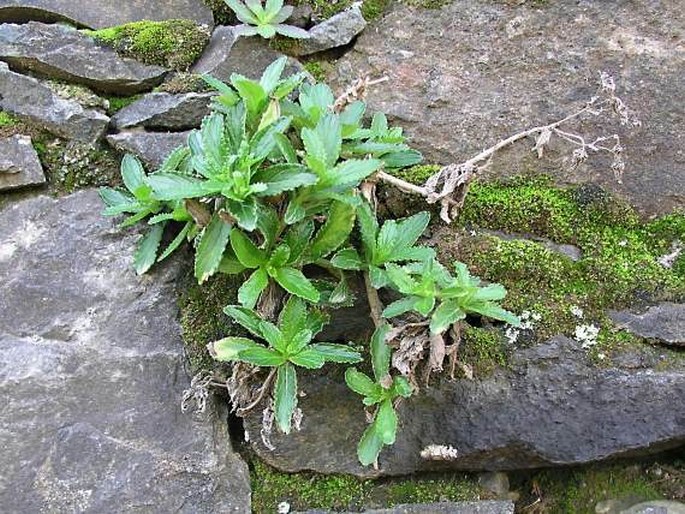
pixel 151 147
pixel 479 507
pixel 664 323
pixel 61 52
pixel 551 407
pixel 472 73
pixel 92 370
pixel 165 111
pixel 19 163
pixel 27 98
pixel 98 14
pixel 336 31
pixel 228 53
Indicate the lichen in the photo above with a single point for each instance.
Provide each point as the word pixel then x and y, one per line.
pixel 174 44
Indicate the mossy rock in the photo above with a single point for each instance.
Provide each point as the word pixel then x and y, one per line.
pixel 174 44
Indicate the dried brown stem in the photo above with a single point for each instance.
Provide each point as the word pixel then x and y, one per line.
pixel 260 396
pixel 375 304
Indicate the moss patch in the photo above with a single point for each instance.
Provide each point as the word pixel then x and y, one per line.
pixel 324 9
pixel 7 120
pixel 183 82
pixel 373 9
pixel 311 491
pixel 484 350
pixel 318 69
pixel 174 44
pixel 117 103
pixel 418 174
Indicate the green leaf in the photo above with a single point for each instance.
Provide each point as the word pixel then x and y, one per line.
pixel 272 335
pixel 114 197
pixel 178 240
pixel 299 341
pixel 409 230
pixel 386 422
pixel 340 353
pixel 246 251
pixel 380 352
pixel 260 356
pixel 297 238
pixel 270 115
pixel 246 318
pixel 230 264
pixel 294 281
pixel 266 31
pixel 225 90
pixel 291 31
pixel 491 292
pixel 329 131
pixel 251 92
pixel 229 348
pixel 308 358
pixel 293 317
pixel 285 396
pixel 401 159
pixel 132 173
pixel 351 172
pixel 493 311
pixel 146 252
pixel 361 384
pixel 211 248
pixel 445 315
pixel 401 278
pixel 425 305
pixel 368 227
pixel 402 387
pixel 273 72
pixel 400 306
pixel 370 446
pixel 249 292
pixel 379 277
pixel 172 186
pixel 279 257
pixel 347 259
pixel 284 177
pixel 286 148
pixel 334 232
pixel 246 213
pixel 264 141
pixel 242 12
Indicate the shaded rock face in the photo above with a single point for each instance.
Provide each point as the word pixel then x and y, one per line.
pixel 92 372
pixel 165 111
pixel 63 53
pixel 227 53
pixel 464 77
pixel 552 408
pixel 99 14
pixel 19 163
pixel 665 323
pixel 334 32
pixel 151 147
pixel 28 98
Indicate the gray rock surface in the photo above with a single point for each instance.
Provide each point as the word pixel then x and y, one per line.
pixel 664 322
pixel 334 32
pixel 99 14
pixel 472 73
pixel 553 407
pixel 92 372
pixel 60 52
pixel 165 111
pixel 656 507
pixel 26 97
pixel 480 507
pixel 19 163
pixel 151 147
pixel 227 53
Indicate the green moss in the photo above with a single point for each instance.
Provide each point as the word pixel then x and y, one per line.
pixel 183 82
pixel 318 69
pixel 7 120
pixel 284 45
pixel 173 44
pixel 223 15
pixel 485 350
pixel 116 103
pixel 324 9
pixel 337 492
pixel 373 9
pixel 579 491
pixel 202 318
pixel 418 174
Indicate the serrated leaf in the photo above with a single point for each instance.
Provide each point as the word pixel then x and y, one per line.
pixel 251 92
pixel 293 317
pixel 368 227
pixel 132 173
pixel 285 396
pixel 229 348
pixel 401 159
pixel 292 31
pixel 246 251
pixel 402 387
pixel 308 358
pixel 380 352
pixel 399 307
pixel 294 281
pixel 113 197
pixel 146 252
pixel 369 446
pixel 361 384
pixel 386 422
pixel 445 316
pixel 247 318
pixel 334 232
pixel 347 259
pixel 260 356
pixel 272 334
pixel 493 311
pixel 172 186
pixel 401 279
pixel 339 353
pixel 249 292
pixel 178 241
pixel 297 238
pixel 273 72
pixel 491 292
pixel 242 12
pixel 211 248
pixel 284 177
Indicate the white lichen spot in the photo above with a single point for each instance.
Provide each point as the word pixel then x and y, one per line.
pixel 512 334
pixel 29 234
pixel 667 260
pixel 283 508
pixel 439 452
pixel 7 251
pixel 577 311
pixel 586 335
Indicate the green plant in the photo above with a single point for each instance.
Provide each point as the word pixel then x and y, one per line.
pixel 270 189
pixel 265 20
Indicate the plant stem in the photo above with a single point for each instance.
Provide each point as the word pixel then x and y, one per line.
pixel 375 305
pixel 260 396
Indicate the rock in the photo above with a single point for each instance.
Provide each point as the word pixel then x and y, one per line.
pixel 103 13
pixel 656 507
pixel 496 482
pixel 552 407
pixel 92 373
pixel 334 32
pixel 152 147
pixel 26 97
pixel 227 53
pixel 479 507
pixel 461 79
pixel 60 52
pixel 664 322
pixel 165 111
pixel 19 163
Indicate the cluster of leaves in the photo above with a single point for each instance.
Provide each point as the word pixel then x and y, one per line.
pixel 269 188
pixel 265 20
